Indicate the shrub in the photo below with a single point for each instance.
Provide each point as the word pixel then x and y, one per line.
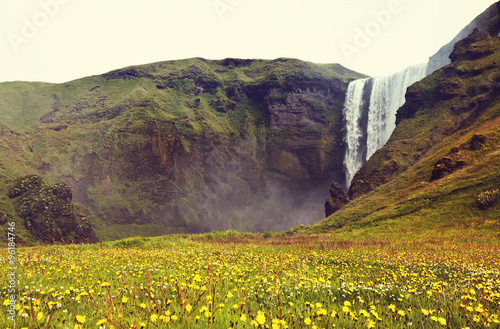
pixel 267 234
pixel 487 199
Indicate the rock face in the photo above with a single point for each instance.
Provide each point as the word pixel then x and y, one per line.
pixel 191 145
pixel 337 200
pixel 49 213
pixel 478 44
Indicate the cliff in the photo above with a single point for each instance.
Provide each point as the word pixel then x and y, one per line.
pixel 181 146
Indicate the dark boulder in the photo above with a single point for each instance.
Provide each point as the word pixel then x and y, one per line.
pixel 442 168
pixel 477 142
pixel 337 200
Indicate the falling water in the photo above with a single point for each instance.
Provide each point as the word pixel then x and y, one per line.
pixel 387 96
pixel 355 135
pixel 370 114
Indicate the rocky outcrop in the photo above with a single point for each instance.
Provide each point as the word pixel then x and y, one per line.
pixel 478 44
pixel 477 142
pixel 442 168
pixel 338 199
pixel 49 213
pixel 446 166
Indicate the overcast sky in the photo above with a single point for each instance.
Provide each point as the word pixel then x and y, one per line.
pixel 62 40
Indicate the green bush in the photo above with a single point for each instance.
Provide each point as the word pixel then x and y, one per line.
pixel 267 234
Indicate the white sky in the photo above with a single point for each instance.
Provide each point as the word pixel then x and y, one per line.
pixel 70 39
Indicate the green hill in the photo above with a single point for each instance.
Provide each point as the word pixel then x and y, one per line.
pixel 179 146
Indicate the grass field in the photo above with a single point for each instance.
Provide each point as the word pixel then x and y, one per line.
pixel 228 280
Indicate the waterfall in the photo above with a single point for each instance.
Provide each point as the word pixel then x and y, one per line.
pixel 387 96
pixel 355 135
pixel 371 104
pixel 370 114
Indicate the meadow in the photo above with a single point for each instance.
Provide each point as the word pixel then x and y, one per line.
pixel 231 280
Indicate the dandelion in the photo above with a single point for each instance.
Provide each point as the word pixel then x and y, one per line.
pixel 261 318
pixel 321 311
pixel 307 321
pixel 81 318
pixel 101 322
